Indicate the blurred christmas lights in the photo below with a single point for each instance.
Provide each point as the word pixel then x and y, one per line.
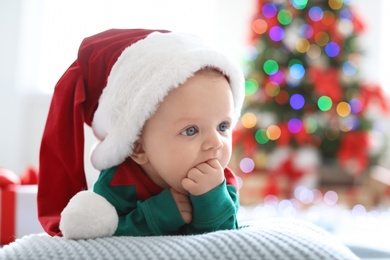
pixel 276 33
pixel 302 85
pixel 332 49
pixel 284 17
pixel 270 67
pixel 297 101
pixel 316 13
pixel 247 165
pixel 294 125
pixel 251 86
pixel 277 77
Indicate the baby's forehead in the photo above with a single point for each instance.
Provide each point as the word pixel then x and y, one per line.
pixel 206 86
pixel 206 91
pixel 210 76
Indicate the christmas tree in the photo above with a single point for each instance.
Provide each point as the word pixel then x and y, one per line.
pixel 306 103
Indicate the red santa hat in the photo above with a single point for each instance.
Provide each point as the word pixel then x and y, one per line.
pixel 116 84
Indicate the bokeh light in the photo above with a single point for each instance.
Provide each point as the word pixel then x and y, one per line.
pixel 306 31
pixel 346 14
pixel 350 123
pixel 269 10
pixel 354 57
pixel 250 53
pixel 247 165
pixel 273 132
pixel 286 208
pixel 316 13
pixel 349 68
pixel 297 71
pixel 331 198
pixel 324 103
pixel 314 51
pixel 249 120
pixel 282 98
pixel 294 61
pixel 291 82
pixel 356 105
pixel 335 4
pixel 260 158
pixel 294 125
pixel 270 67
pixel 302 45
pixel 311 125
pixel 321 38
pixel 304 195
pixel 272 89
pixel 358 210
pixel 251 86
pixel 261 136
pixel 284 17
pixel 343 109
pixel 299 4
pixel 277 77
pixel 297 101
pixel 328 18
pixel 346 27
pixel 259 26
pixel 276 33
pixel 332 49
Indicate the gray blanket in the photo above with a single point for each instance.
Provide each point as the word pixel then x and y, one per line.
pixel 272 239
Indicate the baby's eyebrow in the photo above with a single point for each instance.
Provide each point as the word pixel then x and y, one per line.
pixel 186 119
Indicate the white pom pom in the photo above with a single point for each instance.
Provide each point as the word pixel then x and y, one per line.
pixel 88 215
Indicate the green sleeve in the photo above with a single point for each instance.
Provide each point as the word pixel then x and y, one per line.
pixel 157 215
pixel 215 210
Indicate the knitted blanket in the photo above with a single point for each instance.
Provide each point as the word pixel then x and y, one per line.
pixel 272 239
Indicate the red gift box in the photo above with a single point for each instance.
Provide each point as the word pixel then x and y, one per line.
pixel 18 205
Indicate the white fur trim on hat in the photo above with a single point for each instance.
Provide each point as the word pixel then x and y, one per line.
pixel 140 79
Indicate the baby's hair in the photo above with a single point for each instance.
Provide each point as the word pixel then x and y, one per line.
pixel 214 69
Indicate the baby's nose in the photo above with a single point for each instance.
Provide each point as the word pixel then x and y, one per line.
pixel 212 142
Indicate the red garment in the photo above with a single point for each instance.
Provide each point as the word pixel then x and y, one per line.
pixel 130 173
pixel 75 99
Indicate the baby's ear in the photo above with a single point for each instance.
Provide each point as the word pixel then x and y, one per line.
pixel 139 154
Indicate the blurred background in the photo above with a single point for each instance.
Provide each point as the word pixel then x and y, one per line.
pixel 313 140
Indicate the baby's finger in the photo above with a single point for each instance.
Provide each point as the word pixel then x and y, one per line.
pixel 194 174
pixel 214 163
pixel 188 183
pixel 204 167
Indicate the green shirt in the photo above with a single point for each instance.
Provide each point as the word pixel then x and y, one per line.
pixel 144 209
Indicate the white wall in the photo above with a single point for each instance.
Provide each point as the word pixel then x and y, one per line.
pixel 374 64
pixel 36 38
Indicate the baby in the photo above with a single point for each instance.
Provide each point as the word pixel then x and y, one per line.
pixel 164 122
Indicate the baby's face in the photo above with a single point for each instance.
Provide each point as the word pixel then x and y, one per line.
pixel 191 126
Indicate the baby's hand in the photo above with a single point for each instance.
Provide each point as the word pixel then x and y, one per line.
pixel 183 204
pixel 204 177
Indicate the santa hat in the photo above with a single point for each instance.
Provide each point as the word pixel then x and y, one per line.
pixel 115 85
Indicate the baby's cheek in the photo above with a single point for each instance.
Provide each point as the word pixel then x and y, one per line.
pixel 225 159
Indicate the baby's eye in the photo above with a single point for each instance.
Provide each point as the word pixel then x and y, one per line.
pixel 190 131
pixel 223 127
